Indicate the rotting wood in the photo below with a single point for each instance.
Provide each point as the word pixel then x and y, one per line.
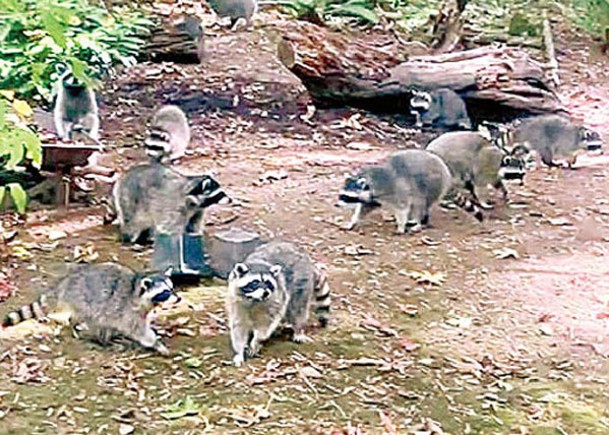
pixel 548 42
pixel 179 39
pixel 448 26
pixel 341 70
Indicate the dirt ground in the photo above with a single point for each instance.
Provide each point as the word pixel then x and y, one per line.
pixel 500 327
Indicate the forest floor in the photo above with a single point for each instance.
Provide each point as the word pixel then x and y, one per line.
pixel 500 327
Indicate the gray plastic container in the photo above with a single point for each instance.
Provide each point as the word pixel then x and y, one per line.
pixel 226 248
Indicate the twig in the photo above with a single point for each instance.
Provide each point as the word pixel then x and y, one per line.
pixel 548 42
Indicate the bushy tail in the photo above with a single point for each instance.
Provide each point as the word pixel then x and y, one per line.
pixel 322 295
pixel 466 204
pixel 34 310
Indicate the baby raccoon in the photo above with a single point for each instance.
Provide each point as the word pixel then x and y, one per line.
pixel 75 109
pixel 475 162
pixel 554 135
pixel 277 282
pixel 442 108
pixel 410 183
pixel 152 198
pixel 235 9
pixel 110 299
pixel 169 134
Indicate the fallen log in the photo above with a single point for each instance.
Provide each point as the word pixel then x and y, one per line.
pixel 340 70
pixel 178 39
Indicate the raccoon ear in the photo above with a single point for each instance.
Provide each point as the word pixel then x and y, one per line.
pixel 519 150
pixel 191 201
pixel 145 284
pixel 168 272
pixel 240 269
pixel 276 269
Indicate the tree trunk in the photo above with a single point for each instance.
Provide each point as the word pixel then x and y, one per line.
pixel 339 70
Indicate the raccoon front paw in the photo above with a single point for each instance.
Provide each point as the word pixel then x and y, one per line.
pixel 161 349
pixel 349 226
pixel 253 350
pixel 301 337
pixel 238 360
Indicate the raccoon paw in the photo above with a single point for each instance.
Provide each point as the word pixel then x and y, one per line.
pixel 238 360
pixel 253 351
pixel 301 337
pixel 161 349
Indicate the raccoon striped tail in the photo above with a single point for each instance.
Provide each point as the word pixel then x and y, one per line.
pixel 322 295
pixel 33 310
pixel 466 204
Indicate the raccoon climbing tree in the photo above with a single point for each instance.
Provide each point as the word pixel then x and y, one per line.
pixel 338 69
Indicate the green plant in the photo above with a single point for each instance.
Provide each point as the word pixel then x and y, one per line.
pixel 18 143
pixel 320 11
pixel 593 16
pixel 37 35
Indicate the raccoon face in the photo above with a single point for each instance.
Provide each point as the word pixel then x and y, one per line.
pixel 155 289
pixel 254 286
pixel 205 191
pixel 592 140
pixel 356 190
pixel 420 100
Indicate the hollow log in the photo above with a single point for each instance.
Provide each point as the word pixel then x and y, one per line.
pixel 340 70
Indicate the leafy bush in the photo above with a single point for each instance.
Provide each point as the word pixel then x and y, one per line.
pixel 320 11
pixel 593 16
pixel 37 35
pixel 17 143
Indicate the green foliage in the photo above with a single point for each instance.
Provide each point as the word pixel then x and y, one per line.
pixel 17 143
pixel 324 10
pixel 593 16
pixel 38 35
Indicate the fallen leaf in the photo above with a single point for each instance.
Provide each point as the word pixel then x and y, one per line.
pixel 546 329
pixel 408 345
pixel 426 277
pixel 559 222
pixel 182 408
pixel 310 372
pixel 389 426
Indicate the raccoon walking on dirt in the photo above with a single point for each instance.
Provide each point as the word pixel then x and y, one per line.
pixel 442 108
pixel 110 299
pixel 277 282
pixel 410 182
pixel 554 135
pixel 152 198
pixel 475 162
pixel 169 135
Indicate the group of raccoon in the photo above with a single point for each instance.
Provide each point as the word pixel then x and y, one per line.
pixel 278 282
pixel 455 164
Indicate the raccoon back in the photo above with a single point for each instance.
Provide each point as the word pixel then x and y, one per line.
pixel 549 132
pixel 426 171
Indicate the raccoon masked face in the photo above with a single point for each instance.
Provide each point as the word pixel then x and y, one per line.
pixel 592 140
pixel 206 191
pixel 420 100
pixel 254 286
pixel 156 289
pixel 356 190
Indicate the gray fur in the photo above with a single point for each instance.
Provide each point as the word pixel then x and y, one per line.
pixel 235 9
pixel 152 198
pixel 552 136
pixel 169 134
pixel 110 299
pixel 289 281
pixel 410 182
pixel 474 161
pixel 75 109
pixel 441 108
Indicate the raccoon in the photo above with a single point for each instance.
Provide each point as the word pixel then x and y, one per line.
pixel 277 282
pixel 169 135
pixel 555 135
pixel 476 162
pixel 153 198
pixel 441 108
pixel 110 299
pixel 75 111
pixel 410 182
pixel 235 9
